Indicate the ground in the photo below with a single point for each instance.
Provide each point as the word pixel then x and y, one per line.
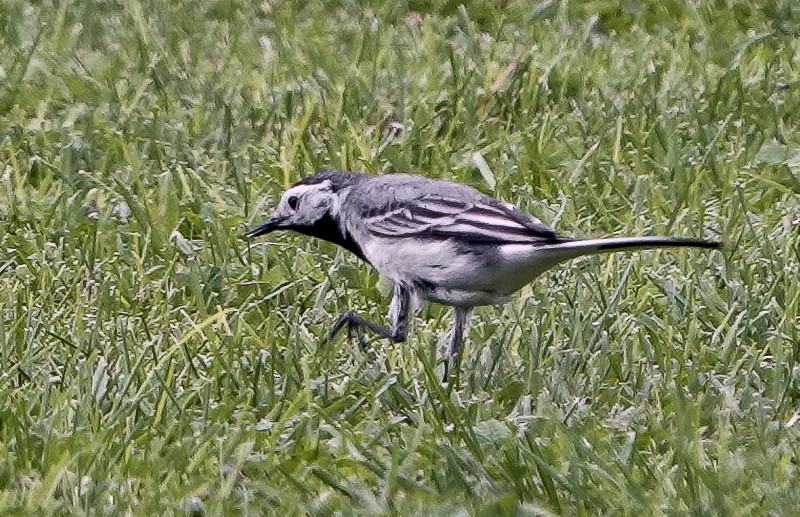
pixel 154 362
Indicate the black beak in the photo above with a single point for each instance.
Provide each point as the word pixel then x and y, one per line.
pixel 272 224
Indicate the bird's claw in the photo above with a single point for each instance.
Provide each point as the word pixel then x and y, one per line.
pixel 352 330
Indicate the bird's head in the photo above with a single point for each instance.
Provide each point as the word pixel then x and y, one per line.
pixel 309 205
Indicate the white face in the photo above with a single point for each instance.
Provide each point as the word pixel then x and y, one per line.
pixel 304 205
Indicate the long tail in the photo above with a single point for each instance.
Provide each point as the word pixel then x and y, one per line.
pixel 578 248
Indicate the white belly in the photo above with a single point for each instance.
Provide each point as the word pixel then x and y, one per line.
pixel 434 263
pixel 447 275
pixel 462 298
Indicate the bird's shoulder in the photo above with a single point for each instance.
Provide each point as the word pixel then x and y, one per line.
pixel 392 190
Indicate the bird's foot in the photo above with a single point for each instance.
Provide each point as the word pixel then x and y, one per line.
pixel 353 323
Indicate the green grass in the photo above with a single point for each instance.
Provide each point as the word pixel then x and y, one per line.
pixel 153 362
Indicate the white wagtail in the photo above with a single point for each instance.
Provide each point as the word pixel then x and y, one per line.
pixel 435 240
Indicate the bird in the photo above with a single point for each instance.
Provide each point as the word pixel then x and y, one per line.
pixel 434 240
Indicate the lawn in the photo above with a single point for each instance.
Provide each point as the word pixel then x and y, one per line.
pixel 154 362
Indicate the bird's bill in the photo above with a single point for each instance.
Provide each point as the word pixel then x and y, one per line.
pixel 274 223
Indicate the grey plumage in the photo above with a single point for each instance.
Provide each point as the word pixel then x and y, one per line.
pixel 436 240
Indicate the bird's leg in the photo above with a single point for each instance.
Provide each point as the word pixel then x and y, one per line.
pixel 398 314
pixel 453 353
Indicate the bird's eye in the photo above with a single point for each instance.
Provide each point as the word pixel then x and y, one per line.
pixel 292 202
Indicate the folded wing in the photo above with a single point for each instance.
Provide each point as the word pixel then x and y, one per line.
pixel 476 221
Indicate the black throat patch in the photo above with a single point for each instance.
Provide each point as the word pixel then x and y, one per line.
pixel 329 230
